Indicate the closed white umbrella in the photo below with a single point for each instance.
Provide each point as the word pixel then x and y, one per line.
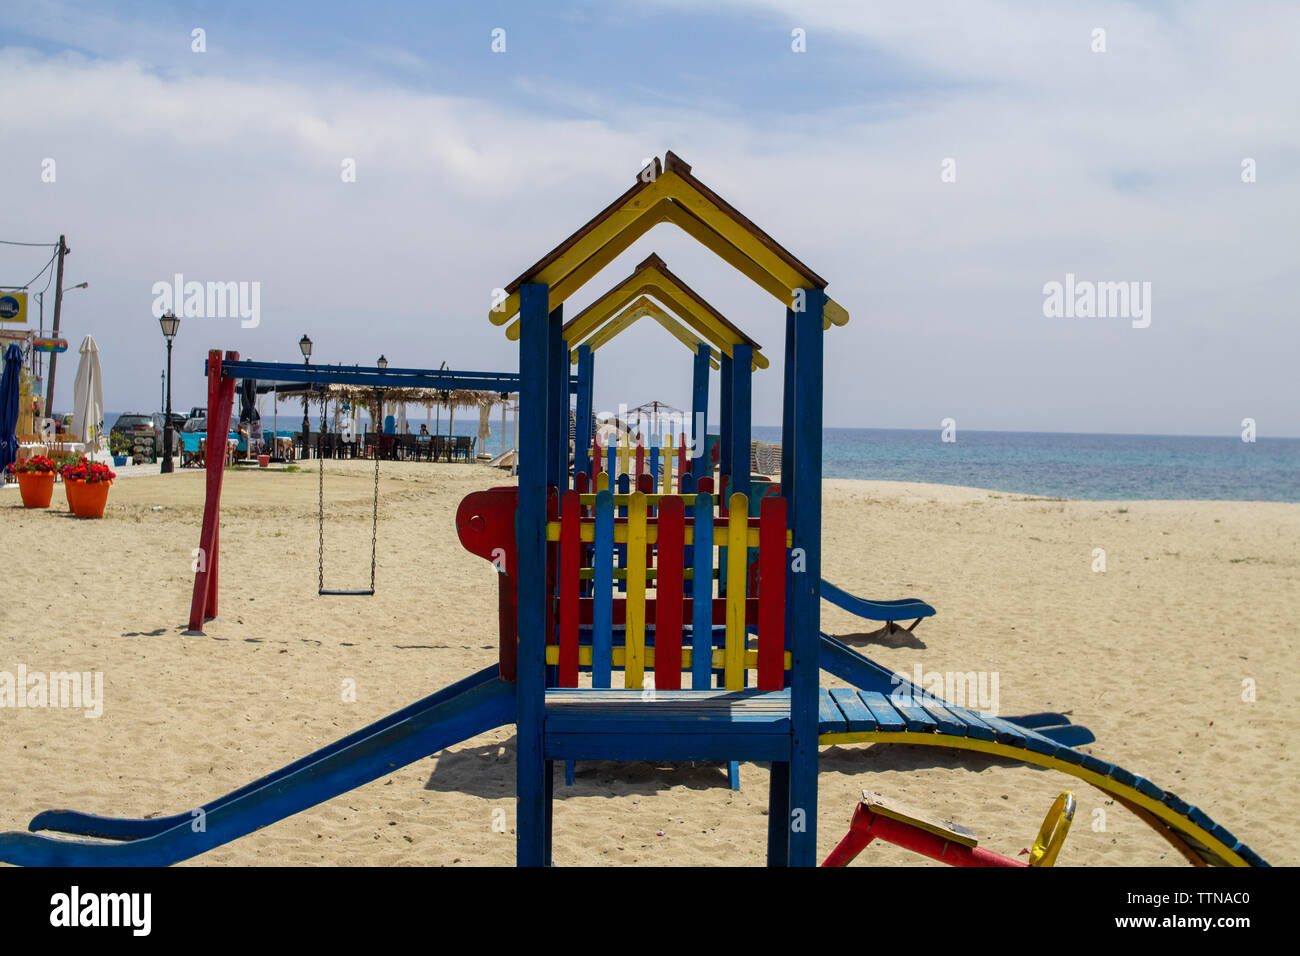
pixel 401 418
pixel 484 427
pixel 88 397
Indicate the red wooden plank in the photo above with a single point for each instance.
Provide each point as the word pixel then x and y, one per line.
pixel 771 594
pixel 668 594
pixel 597 457
pixel 681 465
pixel 570 552
pixel 640 464
pixel 580 482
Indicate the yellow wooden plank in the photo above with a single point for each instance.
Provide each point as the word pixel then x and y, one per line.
pixel 669 453
pixel 602 484
pixel 737 563
pixel 634 673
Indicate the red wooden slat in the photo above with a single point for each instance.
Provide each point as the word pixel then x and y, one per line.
pixel 570 552
pixel 640 463
pixel 705 485
pixel 597 457
pixel 668 594
pixel 681 464
pixel 580 482
pixel 771 594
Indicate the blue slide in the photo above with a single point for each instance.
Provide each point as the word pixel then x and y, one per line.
pixel 887 611
pixel 470 707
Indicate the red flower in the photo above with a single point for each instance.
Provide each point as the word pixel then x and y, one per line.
pixel 38 463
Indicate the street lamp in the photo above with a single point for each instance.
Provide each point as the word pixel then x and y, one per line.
pixel 304 346
pixel 382 363
pixel 170 324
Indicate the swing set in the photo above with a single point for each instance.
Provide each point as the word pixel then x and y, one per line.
pixel 223 372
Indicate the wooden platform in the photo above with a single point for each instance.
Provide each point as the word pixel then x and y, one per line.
pixel 618 724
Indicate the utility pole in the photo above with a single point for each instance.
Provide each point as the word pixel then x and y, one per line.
pixel 58 303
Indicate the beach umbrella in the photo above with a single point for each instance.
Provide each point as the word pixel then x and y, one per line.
pixel 9 406
pixel 401 417
pixel 88 397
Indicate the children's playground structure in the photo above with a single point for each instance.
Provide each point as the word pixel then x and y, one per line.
pixel 654 605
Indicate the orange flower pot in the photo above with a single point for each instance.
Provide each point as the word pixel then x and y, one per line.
pixel 70 488
pixel 90 499
pixel 37 487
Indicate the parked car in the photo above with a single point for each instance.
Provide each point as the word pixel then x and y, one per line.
pixel 195 424
pixel 197 412
pixel 141 432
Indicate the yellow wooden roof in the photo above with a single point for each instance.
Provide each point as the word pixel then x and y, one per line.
pixel 667 192
pixel 643 307
pixel 611 313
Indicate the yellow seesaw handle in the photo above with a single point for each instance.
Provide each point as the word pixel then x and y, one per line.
pixel 1052 834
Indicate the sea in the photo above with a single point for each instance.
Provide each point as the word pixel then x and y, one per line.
pixel 1049 464
pixel 1060 465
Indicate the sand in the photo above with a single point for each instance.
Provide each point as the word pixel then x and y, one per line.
pixel 1196 598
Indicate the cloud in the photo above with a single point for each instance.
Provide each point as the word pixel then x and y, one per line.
pixel 1123 166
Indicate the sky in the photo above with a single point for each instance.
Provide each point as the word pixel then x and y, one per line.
pixel 940 164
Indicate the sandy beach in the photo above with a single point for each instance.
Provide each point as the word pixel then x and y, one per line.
pixel 1197 604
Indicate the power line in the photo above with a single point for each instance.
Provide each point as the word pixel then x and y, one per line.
pixel 41 273
pixel 7 242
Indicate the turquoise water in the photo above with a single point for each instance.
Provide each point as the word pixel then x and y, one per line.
pixel 1097 467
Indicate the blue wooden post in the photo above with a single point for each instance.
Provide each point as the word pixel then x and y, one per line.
pixel 700 409
pixel 778 803
pixel 724 421
pixel 582 444
pixel 742 362
pixel 806 593
pixel 531 784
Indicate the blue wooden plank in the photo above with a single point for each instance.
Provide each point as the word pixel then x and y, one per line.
pixel 702 592
pixel 624 486
pixel 856 714
pixel 915 715
pixel 830 720
pixel 724 418
pixel 676 747
pixel 1029 739
pixel 974 726
pixel 582 440
pixel 742 358
pixel 948 724
pixel 700 408
pixel 806 525
pixel 887 719
pixel 1096 765
pixel 530 535
pixel 602 579
pixel 655 455
pixel 1175 803
pixel 1006 733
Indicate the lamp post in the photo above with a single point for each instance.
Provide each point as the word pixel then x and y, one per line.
pixel 304 346
pixel 170 324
